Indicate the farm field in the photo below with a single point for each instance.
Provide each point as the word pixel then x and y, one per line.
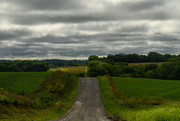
pixel 77 69
pixel 141 88
pixel 136 99
pixel 22 81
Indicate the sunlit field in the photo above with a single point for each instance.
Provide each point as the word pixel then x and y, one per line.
pixel 77 69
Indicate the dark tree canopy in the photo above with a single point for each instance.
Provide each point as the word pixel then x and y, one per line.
pixel 117 65
pixel 133 58
pixel 23 66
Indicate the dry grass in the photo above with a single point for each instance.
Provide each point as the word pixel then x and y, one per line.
pixel 76 69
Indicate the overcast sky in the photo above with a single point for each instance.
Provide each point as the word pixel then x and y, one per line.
pixel 76 29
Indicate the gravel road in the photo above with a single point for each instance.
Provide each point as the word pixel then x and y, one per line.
pixel 87 104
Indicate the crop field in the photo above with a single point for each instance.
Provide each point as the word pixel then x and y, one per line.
pixel 22 81
pixel 136 64
pixel 137 99
pixel 148 88
pixel 77 69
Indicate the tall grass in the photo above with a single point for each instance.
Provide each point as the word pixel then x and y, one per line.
pixel 76 69
pixel 128 104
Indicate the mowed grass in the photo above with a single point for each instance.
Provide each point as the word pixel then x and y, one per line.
pixel 77 69
pixel 22 81
pixel 136 64
pixel 128 105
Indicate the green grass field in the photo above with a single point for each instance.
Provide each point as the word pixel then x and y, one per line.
pixel 141 99
pixel 148 88
pixel 22 81
pixel 53 97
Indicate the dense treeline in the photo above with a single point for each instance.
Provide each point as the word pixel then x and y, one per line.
pixel 53 63
pixel 133 58
pixel 23 66
pixel 169 70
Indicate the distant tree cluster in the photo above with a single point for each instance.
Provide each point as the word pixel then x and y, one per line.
pixel 53 63
pixel 116 65
pixel 133 58
pixel 23 66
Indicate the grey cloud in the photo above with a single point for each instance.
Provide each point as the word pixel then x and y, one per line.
pixel 55 40
pixel 129 35
pixel 111 13
pixel 47 4
pixel 133 28
pixel 33 19
pixel 14 33
pixel 164 37
pixel 133 6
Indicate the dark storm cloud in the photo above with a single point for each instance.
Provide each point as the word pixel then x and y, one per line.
pixel 47 4
pixel 75 29
pixel 33 19
pixel 142 5
pixel 123 11
pixel 85 49
pixel 133 28
pixel 86 39
pixel 12 51
pixel 15 33
pixel 56 40
pixel 165 37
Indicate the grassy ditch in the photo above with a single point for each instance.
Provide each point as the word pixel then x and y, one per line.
pixel 135 99
pixel 52 99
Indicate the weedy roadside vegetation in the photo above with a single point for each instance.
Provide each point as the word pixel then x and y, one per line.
pixel 53 97
pixel 79 71
pixel 136 99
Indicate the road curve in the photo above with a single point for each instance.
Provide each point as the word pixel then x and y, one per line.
pixel 87 104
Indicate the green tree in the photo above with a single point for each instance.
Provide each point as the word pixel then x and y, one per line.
pixel 93 58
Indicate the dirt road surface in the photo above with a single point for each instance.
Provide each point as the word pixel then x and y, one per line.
pixel 87 104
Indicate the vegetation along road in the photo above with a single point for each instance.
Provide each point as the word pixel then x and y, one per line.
pixel 87 104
